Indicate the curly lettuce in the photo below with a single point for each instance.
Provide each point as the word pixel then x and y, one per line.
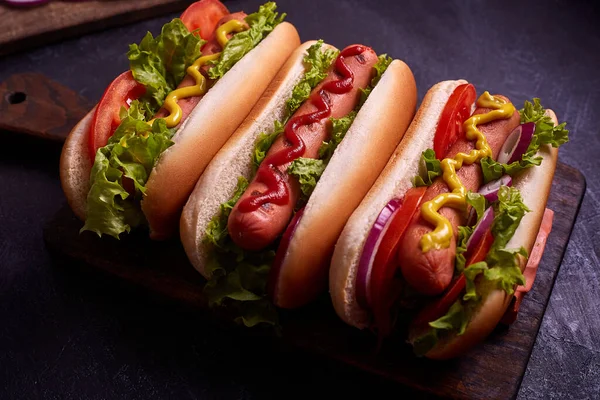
pixel 263 144
pixel 238 277
pixel 339 128
pixel 160 63
pixel 317 62
pixel 546 133
pixel 120 172
pixel 261 23
pixel 307 171
pixel 433 169
pixel 381 66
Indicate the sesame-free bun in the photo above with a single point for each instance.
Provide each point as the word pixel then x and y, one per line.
pixel 75 166
pixel 356 164
pixel 199 137
pixel 219 181
pixel 394 181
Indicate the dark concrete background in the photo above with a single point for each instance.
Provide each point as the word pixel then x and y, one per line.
pixel 69 334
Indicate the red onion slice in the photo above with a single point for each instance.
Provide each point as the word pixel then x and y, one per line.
pixel 490 189
pixel 365 265
pixel 281 253
pixel 482 226
pixel 517 143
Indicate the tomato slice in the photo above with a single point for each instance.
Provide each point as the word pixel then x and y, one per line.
pixel 456 112
pixel 204 15
pixel 439 307
pixel 382 282
pixel 120 93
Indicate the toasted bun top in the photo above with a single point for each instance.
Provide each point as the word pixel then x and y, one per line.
pixel 394 181
pixel 354 167
pixel 219 181
pixel 534 184
pixel 209 126
pixel 76 166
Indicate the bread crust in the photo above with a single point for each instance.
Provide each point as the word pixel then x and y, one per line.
pixel 209 126
pixel 394 181
pixel 354 167
pixel 534 184
pixel 76 166
pixel 234 160
pixel 200 136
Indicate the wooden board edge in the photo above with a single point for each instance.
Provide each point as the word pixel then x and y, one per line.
pixel 52 36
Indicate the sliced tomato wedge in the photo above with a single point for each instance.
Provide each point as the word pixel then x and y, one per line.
pixel 203 16
pixel 439 307
pixel 455 113
pixel 120 93
pixel 382 284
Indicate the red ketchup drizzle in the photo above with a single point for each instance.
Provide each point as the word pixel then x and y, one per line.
pixel 277 191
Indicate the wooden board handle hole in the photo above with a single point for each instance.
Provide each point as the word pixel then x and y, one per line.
pixel 16 97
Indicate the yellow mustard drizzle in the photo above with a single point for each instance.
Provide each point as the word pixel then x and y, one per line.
pixel 175 112
pixel 456 198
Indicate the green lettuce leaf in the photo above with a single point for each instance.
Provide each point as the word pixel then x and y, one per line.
pixel 545 133
pixel 478 202
pixel 160 63
pixel 261 23
pixel 263 144
pixel 307 171
pixel 238 284
pixel 470 274
pixel 317 62
pixel 238 278
pixel 432 166
pixel 508 212
pixel 454 320
pixel 381 66
pixel 464 233
pixel 505 271
pixel 339 129
pixel 131 152
pixel 216 230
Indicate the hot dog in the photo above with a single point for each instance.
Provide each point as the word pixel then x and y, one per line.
pixel 254 228
pixel 430 273
pixel 452 217
pixel 134 160
pixel 324 108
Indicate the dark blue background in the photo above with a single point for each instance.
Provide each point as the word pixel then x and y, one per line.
pixel 69 334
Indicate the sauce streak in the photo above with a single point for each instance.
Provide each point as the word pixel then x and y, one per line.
pixel 277 191
pixel 175 112
pixel 457 198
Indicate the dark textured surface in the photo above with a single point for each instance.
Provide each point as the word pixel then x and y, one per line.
pixel 76 335
pixel 491 370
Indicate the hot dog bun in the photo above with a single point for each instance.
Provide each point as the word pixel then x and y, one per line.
pixel 197 140
pixel 395 180
pixel 356 164
pixel 75 166
pixel 218 182
pixel 534 184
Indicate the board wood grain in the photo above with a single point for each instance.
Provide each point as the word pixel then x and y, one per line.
pixel 32 104
pixel 23 28
pixel 492 370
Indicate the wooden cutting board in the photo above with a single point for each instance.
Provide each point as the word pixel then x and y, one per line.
pixel 23 28
pixel 492 370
